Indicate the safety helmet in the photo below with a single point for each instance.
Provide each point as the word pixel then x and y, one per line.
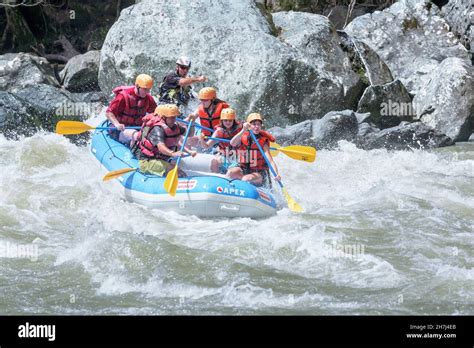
pixel 144 81
pixel 185 61
pixel 207 93
pixel 169 110
pixel 228 114
pixel 254 116
pixel 159 110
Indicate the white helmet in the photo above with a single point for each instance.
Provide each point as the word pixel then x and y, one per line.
pixel 183 60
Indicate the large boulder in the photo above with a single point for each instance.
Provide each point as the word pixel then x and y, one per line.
pixel 411 37
pixel 405 136
pixel 365 61
pixel 460 16
pixel 447 101
pixel 382 100
pixel 415 40
pixel 323 133
pixel 17 117
pixel 19 70
pixel 253 69
pixel 320 45
pixel 81 72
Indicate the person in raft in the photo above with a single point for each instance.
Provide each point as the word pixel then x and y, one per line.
pixel 176 87
pixel 253 167
pixel 128 107
pixel 159 141
pixel 224 162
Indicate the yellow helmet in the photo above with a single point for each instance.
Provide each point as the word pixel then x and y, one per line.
pixel 228 114
pixel 169 110
pixel 207 93
pixel 144 81
pixel 159 110
pixel 254 116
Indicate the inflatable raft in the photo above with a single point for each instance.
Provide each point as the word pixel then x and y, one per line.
pixel 202 193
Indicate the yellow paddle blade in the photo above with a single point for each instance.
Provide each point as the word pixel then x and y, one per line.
pixel 295 207
pixel 298 152
pixel 171 181
pixel 116 173
pixel 274 153
pixel 72 127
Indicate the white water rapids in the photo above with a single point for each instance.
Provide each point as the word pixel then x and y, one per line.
pixel 382 233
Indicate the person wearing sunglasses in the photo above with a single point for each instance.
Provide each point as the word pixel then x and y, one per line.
pixel 176 86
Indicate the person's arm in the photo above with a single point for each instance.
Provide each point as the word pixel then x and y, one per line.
pixel 116 106
pixel 235 141
pixel 186 81
pixel 209 143
pixel 157 138
pixel 266 149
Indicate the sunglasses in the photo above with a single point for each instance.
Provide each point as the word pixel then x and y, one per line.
pixel 184 67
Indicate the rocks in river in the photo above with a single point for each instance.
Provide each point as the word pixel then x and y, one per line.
pixel 19 70
pixel 323 133
pixel 405 136
pixel 381 100
pixel 447 100
pixel 415 42
pixel 81 72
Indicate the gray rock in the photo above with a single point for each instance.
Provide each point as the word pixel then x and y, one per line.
pixel 381 100
pixel 234 45
pixel 300 133
pixel 54 104
pixel 320 44
pixel 338 14
pixel 81 72
pixel 365 61
pixel 323 133
pixel 411 37
pixel 365 129
pixel 333 127
pixel 471 138
pixel 19 70
pixel 405 136
pixel 447 100
pixel 362 117
pixel 460 16
pixel 17 117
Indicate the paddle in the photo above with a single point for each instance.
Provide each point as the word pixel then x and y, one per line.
pixel 171 181
pixel 291 202
pixel 119 172
pixel 297 152
pixel 78 127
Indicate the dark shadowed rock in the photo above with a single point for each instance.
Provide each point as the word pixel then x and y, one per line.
pixel 380 101
pixel 81 72
pixel 405 136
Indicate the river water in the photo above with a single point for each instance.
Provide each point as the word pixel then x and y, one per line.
pixel 383 233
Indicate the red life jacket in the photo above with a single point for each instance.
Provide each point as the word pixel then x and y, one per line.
pixel 135 107
pixel 171 137
pixel 211 120
pixel 225 133
pixel 249 145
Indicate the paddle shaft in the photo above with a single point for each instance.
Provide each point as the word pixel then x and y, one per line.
pixel 105 128
pixel 228 141
pixel 190 125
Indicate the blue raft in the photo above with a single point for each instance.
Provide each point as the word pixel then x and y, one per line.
pixel 202 193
